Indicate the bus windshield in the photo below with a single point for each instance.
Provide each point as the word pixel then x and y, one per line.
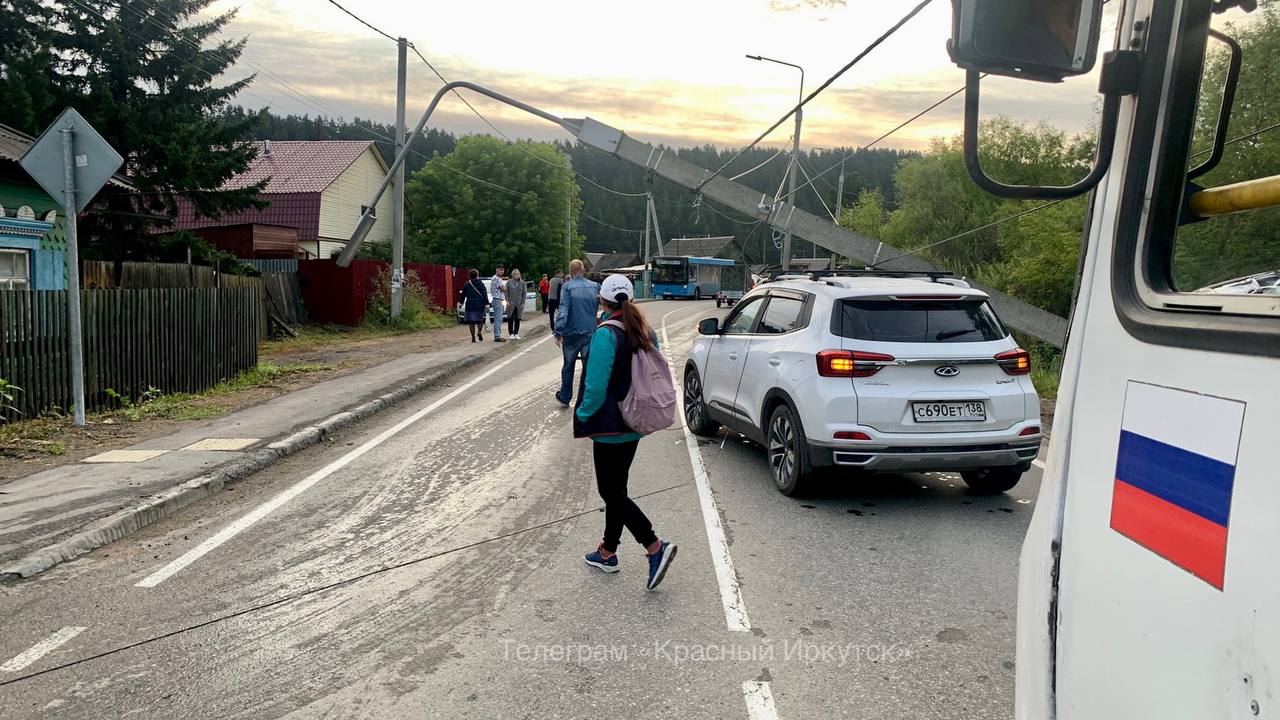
pixel 670 271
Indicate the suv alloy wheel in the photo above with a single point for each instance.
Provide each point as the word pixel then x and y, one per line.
pixel 788 451
pixel 695 410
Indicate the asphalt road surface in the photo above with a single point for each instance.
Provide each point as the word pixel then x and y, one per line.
pixel 429 565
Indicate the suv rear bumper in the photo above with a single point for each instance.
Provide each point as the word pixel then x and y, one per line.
pixel 925 458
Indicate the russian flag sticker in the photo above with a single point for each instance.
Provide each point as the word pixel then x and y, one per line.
pixel 1175 471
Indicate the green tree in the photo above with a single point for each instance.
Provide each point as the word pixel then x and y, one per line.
pixel 1237 245
pixel 867 215
pixel 27 40
pixel 139 71
pixel 1040 252
pixel 490 201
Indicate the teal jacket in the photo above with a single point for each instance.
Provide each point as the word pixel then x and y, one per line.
pixel 595 382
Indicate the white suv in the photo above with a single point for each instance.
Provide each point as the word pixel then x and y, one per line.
pixel 885 372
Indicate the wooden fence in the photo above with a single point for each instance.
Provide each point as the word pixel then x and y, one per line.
pixel 172 339
pixel 279 293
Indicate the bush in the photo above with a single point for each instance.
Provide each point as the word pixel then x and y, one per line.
pixel 417 311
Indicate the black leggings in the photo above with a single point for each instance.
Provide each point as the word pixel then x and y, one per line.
pixel 613 464
pixel 513 324
pixel 476 329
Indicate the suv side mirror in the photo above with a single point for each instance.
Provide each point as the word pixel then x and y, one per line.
pixel 1045 40
pixel 710 326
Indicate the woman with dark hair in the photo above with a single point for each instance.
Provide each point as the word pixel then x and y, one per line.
pixel 605 383
pixel 475 302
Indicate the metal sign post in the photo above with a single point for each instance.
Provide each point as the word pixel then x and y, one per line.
pixel 72 160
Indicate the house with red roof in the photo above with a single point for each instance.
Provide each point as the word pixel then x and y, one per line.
pixel 317 190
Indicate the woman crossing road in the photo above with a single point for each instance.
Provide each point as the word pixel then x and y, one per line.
pixel 605 383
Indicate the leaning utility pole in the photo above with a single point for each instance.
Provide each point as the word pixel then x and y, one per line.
pixel 397 188
pixel 644 248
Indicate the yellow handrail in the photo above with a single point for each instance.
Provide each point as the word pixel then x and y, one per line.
pixel 1237 197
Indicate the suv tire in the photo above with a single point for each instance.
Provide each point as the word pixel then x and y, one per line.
pixel 788 451
pixel 695 410
pixel 993 480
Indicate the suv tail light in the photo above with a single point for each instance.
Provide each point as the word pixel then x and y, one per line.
pixel 1015 362
pixel 847 363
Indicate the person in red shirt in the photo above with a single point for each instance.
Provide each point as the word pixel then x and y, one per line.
pixel 544 288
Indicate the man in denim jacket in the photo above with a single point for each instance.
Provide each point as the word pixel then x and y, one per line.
pixel 575 322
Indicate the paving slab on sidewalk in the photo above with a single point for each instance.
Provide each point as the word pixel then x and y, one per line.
pixel 43 508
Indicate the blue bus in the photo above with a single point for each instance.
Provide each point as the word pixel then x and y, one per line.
pixel 678 276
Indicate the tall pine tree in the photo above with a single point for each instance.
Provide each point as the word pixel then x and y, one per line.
pixel 140 72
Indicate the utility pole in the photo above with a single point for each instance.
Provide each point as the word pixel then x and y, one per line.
pixel 791 184
pixel 839 205
pixel 785 260
pixel 644 250
pixel 397 187
pixel 568 211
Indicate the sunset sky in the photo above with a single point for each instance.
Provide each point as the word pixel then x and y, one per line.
pixel 661 70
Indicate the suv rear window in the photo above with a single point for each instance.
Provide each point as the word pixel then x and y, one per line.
pixel 917 321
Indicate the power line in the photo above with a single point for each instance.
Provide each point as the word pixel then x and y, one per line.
pixel 612 227
pixel 875 142
pixel 867 50
pixel 363 22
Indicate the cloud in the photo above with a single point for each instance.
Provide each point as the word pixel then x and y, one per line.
pixel 313 72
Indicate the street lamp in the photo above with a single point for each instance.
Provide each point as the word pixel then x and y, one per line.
pixel 785 260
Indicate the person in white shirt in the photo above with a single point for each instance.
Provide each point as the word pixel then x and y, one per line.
pixel 498 297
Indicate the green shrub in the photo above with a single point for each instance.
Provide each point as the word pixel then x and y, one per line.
pixel 417 311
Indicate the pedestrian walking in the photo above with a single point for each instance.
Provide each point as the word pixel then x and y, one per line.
pixel 475 299
pixel 516 291
pixel 553 296
pixel 574 321
pixel 544 288
pixel 498 299
pixel 606 383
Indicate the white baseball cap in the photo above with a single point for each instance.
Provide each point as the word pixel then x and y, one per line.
pixel 616 285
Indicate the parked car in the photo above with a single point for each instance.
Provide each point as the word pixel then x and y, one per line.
pixel 728 297
pixel 530 307
pixel 902 374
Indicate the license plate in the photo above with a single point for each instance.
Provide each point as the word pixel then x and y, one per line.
pixel 967 411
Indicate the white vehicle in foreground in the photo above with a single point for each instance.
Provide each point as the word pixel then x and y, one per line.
pixel 877 371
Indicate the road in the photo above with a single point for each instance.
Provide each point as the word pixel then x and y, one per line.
pixel 428 565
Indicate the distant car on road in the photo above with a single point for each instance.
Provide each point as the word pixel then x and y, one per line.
pixel 728 297
pixel 898 373
pixel 530 307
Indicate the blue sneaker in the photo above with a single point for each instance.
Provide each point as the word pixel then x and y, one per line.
pixel 659 562
pixel 596 560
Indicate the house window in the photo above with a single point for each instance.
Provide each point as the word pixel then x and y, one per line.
pixel 15 269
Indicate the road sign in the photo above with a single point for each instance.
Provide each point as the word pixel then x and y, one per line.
pixel 94 163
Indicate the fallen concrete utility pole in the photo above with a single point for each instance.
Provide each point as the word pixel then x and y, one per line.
pixel 784 216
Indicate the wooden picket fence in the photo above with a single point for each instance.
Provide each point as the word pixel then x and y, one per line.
pixel 171 339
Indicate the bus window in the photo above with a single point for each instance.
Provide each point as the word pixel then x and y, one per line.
pixel 670 272
pixel 1236 254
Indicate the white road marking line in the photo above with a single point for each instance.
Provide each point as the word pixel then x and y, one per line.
pixel 1038 463
pixel 301 486
pixel 42 648
pixel 735 608
pixel 759 701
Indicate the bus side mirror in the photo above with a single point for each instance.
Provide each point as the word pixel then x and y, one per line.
pixel 710 326
pixel 1044 40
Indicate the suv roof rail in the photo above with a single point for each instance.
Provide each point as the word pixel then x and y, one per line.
pixel 818 275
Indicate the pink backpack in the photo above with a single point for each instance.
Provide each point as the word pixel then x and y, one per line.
pixel 650 404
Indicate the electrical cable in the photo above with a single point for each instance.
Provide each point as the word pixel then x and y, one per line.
pixel 827 83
